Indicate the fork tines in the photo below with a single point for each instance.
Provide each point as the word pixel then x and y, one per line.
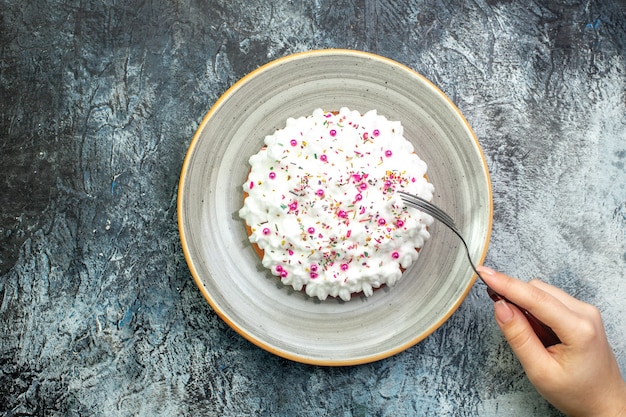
pixel 427 207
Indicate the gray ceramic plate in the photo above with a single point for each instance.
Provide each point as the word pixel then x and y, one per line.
pixel 228 271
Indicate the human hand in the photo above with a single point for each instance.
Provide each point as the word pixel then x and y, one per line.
pixel 579 376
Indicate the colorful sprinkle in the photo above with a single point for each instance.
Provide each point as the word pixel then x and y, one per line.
pixel 293 142
pixel 376 132
pixel 267 231
pixel 272 175
pixel 395 255
pixel 333 132
pixel 388 153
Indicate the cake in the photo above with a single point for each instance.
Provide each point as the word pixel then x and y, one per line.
pixel 321 205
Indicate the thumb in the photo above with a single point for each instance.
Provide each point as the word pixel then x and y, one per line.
pixel 519 334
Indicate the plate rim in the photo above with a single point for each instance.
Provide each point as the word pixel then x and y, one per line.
pixel 196 276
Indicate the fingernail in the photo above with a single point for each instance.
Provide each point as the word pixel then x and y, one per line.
pixel 503 311
pixel 485 270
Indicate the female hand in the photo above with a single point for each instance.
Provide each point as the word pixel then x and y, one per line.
pixel 579 376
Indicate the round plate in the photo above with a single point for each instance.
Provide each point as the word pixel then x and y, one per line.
pixel 228 271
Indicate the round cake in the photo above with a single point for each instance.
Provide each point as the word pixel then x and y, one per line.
pixel 321 204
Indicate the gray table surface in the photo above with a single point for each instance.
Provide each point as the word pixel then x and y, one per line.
pixel 98 103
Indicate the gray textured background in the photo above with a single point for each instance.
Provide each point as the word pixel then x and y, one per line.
pixel 98 103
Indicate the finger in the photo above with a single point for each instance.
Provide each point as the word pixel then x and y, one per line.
pixel 571 302
pixel 541 304
pixel 577 307
pixel 520 336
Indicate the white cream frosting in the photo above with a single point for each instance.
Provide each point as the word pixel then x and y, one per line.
pixel 322 203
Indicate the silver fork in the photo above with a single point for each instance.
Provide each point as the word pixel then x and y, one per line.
pixel 544 332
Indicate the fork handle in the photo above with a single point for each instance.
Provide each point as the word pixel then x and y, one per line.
pixel 543 331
